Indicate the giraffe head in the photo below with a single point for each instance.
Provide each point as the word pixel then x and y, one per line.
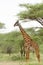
pixel 17 23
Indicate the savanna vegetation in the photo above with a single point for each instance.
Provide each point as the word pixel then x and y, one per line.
pixel 2 25
pixel 11 43
pixel 33 12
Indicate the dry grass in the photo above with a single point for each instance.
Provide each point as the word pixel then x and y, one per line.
pixel 20 63
pixel 32 61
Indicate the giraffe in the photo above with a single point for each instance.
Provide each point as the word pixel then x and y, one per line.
pixel 29 43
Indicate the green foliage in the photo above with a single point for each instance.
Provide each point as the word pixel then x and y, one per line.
pixel 32 11
pixel 14 40
pixel 9 40
pixel 14 58
pixel 40 32
pixel 1 25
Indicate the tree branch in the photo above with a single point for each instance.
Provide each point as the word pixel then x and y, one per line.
pixel 40 20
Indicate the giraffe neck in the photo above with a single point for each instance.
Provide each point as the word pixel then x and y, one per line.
pixel 25 35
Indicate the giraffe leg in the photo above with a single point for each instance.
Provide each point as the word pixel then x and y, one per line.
pixel 27 51
pixel 27 55
pixel 38 55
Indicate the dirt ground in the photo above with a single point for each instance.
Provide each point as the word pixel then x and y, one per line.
pixel 19 63
pixel 9 63
pixel 12 63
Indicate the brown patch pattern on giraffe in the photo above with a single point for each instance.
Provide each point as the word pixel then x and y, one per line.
pixel 29 43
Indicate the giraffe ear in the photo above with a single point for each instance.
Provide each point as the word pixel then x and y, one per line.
pixel 16 24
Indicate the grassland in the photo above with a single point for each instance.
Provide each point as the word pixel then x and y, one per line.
pixel 15 59
pixel 14 40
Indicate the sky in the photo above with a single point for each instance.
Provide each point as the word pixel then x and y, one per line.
pixel 8 12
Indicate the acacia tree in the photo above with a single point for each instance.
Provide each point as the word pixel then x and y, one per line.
pixel 33 12
pixel 1 25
